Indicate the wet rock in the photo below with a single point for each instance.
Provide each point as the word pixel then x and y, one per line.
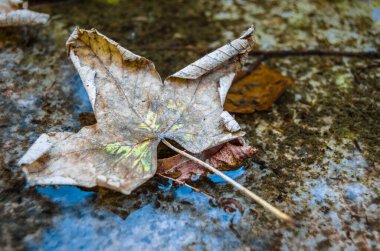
pixel 318 158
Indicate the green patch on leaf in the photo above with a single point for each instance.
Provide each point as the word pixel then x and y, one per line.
pixel 140 152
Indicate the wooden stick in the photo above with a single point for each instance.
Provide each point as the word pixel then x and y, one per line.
pixel 185 184
pixel 255 197
pixel 316 52
pixel 279 53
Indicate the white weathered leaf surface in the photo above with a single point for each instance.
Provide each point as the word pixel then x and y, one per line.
pixel 134 110
pixel 11 14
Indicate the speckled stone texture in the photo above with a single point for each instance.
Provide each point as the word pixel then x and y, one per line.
pixel 319 146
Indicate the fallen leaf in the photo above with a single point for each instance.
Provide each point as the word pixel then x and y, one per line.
pixel 256 91
pixel 13 14
pixel 134 111
pixel 230 154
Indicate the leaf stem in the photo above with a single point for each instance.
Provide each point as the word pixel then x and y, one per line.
pixel 243 189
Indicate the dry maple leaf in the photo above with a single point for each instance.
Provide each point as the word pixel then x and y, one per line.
pixel 12 14
pixel 135 110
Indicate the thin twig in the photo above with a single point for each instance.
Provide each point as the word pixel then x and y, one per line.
pixel 185 184
pixel 250 68
pixel 278 53
pixel 316 52
pixel 255 197
pixel 264 55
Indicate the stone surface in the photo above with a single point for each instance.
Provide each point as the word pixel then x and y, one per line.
pixel 319 158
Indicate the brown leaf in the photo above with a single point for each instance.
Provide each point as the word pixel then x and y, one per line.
pixel 227 155
pixel 257 91
pixel 134 111
pixel 231 155
pixel 12 14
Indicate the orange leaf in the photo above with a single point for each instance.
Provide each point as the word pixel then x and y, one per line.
pixel 256 91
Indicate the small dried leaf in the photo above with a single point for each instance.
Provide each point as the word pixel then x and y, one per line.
pixel 134 111
pixel 12 14
pixel 257 91
pixel 230 154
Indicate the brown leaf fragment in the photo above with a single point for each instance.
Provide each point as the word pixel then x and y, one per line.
pixel 231 155
pixel 13 14
pixel 222 157
pixel 134 111
pixel 257 91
